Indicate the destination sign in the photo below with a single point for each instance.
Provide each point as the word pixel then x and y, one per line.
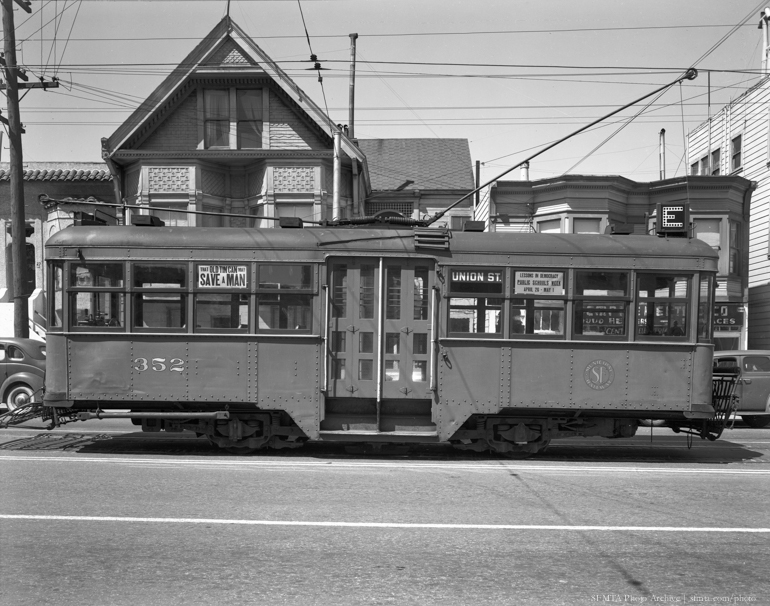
pixel 222 276
pixel 539 283
pixel 480 281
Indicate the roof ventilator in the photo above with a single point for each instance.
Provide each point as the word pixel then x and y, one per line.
pixel 431 238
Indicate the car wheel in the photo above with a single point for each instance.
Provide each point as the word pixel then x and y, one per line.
pixel 756 421
pixel 18 395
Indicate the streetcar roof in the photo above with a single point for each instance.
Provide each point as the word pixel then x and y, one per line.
pixel 391 241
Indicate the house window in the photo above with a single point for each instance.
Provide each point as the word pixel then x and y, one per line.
pixel 715 162
pixel 229 111
pixel 173 214
pixel 704 165
pixel 694 168
pixel 457 222
pixel 736 146
pixel 586 226
pixel 708 231
pixel 217 117
pixel 249 117
pixel 735 248
pixel 549 227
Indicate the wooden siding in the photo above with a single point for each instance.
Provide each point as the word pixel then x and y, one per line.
pixel 179 132
pixel 747 116
pixel 288 131
pixel 759 317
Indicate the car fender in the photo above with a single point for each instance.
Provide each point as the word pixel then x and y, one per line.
pixel 36 382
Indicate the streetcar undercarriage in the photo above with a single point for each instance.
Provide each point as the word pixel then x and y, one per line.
pixel 244 431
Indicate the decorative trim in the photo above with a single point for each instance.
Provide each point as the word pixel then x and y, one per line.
pixel 222 154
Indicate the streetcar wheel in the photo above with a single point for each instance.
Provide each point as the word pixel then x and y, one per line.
pixel 756 421
pixel 19 395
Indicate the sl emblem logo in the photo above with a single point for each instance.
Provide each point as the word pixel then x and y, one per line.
pixel 599 375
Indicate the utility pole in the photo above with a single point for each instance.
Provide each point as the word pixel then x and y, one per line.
pixel 18 247
pixel 352 87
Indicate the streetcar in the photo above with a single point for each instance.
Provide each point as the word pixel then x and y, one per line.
pixel 269 338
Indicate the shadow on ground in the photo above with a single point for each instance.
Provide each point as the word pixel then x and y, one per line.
pixel 657 446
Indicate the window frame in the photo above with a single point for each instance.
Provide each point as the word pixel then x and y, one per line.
pixel 686 300
pixel 311 292
pixel 736 166
pixel 233 120
pixel 71 292
pixel 184 291
pixel 198 291
pixel 578 300
pixel 456 293
pixel 530 304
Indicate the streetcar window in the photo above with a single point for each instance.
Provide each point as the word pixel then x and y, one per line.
pixel 160 276
pixel 475 315
pixel 56 304
pixel 705 308
pixel 93 302
pixel 285 312
pixel 601 284
pixel 662 306
pixel 393 290
pixel 339 294
pixel 222 311
pixel 286 277
pixel 537 317
pixel 365 292
pixel 278 309
pixel 601 317
pixel 101 309
pixel 103 275
pixel 160 310
pixel 421 293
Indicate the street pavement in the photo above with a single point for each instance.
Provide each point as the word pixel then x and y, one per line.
pixel 99 513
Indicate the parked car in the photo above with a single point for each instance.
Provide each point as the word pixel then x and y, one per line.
pixel 22 371
pixel 753 388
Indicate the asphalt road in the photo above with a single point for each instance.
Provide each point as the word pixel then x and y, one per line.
pixel 96 513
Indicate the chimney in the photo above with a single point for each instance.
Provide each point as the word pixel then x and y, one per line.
pixel 525 171
pixel 763 25
pixel 662 153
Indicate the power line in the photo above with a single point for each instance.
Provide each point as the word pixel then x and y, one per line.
pixel 417 34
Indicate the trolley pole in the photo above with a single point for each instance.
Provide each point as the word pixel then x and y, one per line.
pixel 18 248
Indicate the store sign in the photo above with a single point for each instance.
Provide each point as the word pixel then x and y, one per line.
pixel 222 276
pixel 728 316
pixel 539 283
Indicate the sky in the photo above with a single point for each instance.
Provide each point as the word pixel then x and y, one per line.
pixel 510 76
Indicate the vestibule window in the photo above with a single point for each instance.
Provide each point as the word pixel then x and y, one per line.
pixel 230 111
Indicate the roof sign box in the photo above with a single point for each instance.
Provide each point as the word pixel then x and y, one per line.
pixel 672 219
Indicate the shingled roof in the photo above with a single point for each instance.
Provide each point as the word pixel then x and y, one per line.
pixel 59 171
pixel 430 164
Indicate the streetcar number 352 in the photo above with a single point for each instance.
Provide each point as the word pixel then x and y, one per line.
pixel 159 364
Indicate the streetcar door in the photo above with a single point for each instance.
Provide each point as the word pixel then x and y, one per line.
pixel 379 323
